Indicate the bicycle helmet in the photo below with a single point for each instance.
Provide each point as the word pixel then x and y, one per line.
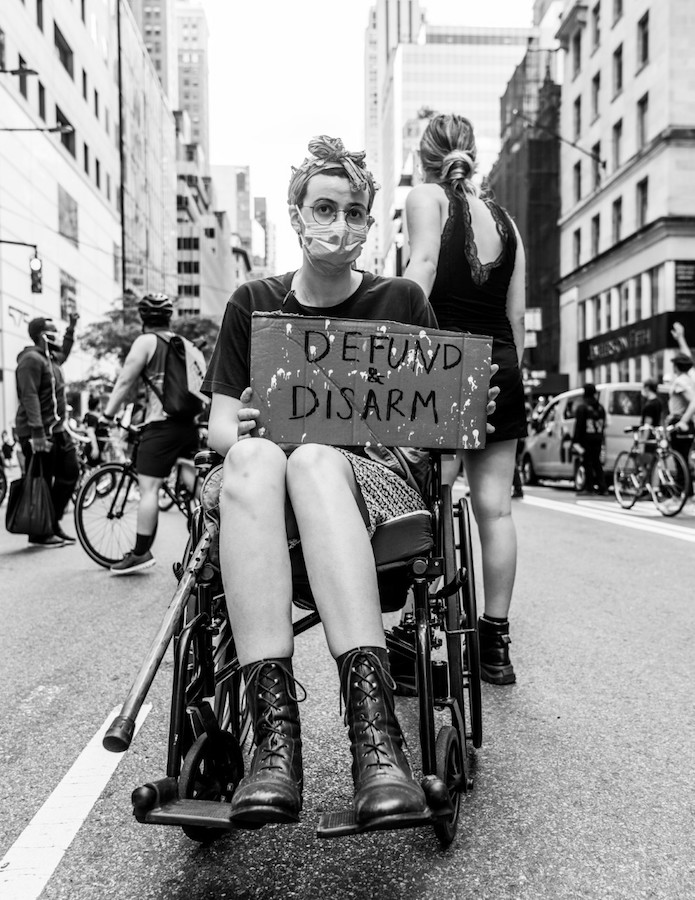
pixel 155 305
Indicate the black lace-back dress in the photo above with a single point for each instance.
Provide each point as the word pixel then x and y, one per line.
pixel 470 296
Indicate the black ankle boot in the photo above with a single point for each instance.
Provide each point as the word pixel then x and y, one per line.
pixel 384 785
pixel 272 791
pixel 495 665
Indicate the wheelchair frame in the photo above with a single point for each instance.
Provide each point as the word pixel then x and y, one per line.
pixel 208 720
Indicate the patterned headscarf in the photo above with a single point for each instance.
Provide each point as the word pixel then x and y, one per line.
pixel 329 153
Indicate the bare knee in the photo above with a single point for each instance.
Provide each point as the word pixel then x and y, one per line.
pixel 252 466
pixel 313 463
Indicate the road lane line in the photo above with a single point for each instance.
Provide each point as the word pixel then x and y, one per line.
pixel 615 518
pixel 31 860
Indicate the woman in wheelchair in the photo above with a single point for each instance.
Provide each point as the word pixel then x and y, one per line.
pixel 331 498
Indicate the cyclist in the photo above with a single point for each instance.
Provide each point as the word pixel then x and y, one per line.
pixel 588 438
pixel 162 439
pixel 681 405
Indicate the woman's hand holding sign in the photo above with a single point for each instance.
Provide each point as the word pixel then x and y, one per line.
pixel 247 416
pixel 492 395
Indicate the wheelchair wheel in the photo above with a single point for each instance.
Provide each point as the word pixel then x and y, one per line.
pixel 106 513
pixel 211 771
pixel 626 480
pixel 670 483
pixel 451 771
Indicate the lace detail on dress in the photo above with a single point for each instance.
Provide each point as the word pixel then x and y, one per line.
pixel 481 271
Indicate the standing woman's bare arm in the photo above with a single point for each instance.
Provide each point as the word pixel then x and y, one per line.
pixel 423 219
pixel 516 297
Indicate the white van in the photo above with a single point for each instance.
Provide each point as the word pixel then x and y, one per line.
pixel 548 448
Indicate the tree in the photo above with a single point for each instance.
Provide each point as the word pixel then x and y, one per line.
pixel 112 337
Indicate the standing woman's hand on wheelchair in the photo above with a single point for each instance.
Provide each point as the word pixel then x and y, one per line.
pixel 247 415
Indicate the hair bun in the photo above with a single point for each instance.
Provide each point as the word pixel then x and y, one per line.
pixel 457 164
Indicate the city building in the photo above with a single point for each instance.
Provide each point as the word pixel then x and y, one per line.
pixel 525 180
pixel 192 41
pixel 412 67
pixel 627 222
pixel 205 263
pixel 60 192
pixel 234 191
pixel 156 20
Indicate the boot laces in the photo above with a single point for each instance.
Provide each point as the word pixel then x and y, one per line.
pixel 274 738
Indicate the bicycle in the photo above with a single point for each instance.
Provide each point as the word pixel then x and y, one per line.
pixel 664 477
pixel 107 503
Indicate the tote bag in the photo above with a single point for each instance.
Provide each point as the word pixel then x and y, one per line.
pixel 29 504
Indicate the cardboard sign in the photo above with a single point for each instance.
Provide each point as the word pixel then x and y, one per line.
pixel 354 382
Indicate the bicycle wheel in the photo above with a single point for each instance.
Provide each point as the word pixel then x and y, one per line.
pixel 106 513
pixel 626 480
pixel 669 482
pixel 3 484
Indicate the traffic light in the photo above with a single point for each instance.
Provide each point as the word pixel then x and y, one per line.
pixel 36 267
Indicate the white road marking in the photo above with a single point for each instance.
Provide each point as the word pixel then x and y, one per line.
pixel 33 858
pixel 614 517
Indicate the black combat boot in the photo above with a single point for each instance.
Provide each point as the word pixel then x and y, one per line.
pixel 272 791
pixel 384 785
pixel 495 665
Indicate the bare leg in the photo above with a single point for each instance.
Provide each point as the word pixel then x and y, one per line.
pixel 490 473
pixel 148 508
pixel 451 466
pixel 254 558
pixel 336 546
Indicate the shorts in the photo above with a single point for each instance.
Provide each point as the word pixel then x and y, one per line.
pixel 161 443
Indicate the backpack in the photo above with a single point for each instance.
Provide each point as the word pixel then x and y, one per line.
pixel 184 370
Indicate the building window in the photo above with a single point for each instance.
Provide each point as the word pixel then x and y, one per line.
pixel 617 10
pixel 654 285
pixel 67 216
pixel 617 143
pixel 642 121
pixel 577 118
pixel 83 10
pixel 596 164
pixel 618 71
pixel 108 186
pixel 39 14
pixel 577 181
pixel 617 211
pixel 577 247
pixel 624 293
pixel 595 94
pixel 96 103
pixel 642 202
pixel 97 173
pixel 596 25
pixel 643 41
pixel 22 64
pixel 84 84
pixel 116 262
pixel 67 138
pixel 86 159
pixel 638 298
pixel 42 101
pixel 576 52
pixel 595 235
pixel 64 51
pixel 209 232
pixel 107 121
pixel 581 320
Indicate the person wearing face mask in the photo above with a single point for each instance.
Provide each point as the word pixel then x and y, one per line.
pixel 335 497
pixel 40 420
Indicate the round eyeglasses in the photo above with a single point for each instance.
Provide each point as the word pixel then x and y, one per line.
pixel 325 212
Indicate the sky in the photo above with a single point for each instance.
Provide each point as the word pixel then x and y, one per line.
pixel 282 71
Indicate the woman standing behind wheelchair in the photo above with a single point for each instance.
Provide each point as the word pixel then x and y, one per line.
pixel 337 497
pixel 467 256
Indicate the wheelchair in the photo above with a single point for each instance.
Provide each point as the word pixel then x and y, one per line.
pixel 433 651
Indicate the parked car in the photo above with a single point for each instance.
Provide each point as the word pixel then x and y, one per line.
pixel 548 449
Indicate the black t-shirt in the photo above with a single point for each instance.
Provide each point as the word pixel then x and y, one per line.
pixel 387 299
pixel 653 411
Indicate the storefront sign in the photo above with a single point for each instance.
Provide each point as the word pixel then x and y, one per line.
pixel 360 382
pixel 685 286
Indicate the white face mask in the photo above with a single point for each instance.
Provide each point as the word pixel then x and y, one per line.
pixel 332 246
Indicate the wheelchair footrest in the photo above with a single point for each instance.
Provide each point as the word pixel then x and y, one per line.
pixel 343 823
pixel 204 813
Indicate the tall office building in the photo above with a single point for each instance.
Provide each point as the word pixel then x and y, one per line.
pixel 192 40
pixel 411 66
pixel 157 23
pixel 234 191
pixel 61 192
pixel 627 223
